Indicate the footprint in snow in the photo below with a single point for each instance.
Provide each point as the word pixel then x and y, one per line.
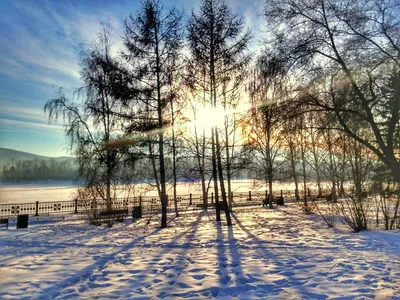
pixel 287 273
pixel 224 279
pixel 214 291
pixel 198 277
pixel 182 285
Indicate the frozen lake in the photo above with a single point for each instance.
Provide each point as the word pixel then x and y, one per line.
pixel 64 191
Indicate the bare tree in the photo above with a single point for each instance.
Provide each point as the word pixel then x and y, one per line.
pixel 265 141
pixel 356 45
pixel 92 124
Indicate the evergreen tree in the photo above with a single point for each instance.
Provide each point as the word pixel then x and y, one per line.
pixel 218 41
pixel 153 40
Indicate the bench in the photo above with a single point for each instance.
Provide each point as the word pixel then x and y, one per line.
pixel 4 223
pixel 115 214
pixel 47 218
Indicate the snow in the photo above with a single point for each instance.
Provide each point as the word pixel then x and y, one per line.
pixel 50 191
pixel 266 254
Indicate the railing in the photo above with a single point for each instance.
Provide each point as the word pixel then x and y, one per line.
pixel 148 203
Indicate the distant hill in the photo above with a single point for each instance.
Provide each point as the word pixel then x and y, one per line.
pixel 9 155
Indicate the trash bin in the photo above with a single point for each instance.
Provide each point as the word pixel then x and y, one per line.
pixel 136 212
pixel 22 221
pixel 280 201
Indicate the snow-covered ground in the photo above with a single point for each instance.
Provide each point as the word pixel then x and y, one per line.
pixel 51 191
pixel 266 254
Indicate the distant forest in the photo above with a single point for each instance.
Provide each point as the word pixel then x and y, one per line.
pixel 39 169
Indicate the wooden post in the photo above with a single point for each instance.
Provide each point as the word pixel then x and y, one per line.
pixel 37 208
pixel 140 200
pixel 249 195
pixel 76 206
pixel 282 193
pixel 212 198
pixel 190 199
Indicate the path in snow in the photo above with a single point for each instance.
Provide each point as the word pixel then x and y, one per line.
pixel 276 254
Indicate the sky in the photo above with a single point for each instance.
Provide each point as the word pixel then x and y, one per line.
pixel 40 42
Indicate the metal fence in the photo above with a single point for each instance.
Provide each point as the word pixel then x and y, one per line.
pixel 148 203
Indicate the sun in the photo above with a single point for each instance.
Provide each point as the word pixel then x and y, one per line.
pixel 209 117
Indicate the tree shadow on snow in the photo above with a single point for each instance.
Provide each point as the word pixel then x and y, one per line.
pixel 101 263
pixel 292 277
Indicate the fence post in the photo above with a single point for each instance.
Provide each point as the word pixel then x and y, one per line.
pixel 249 195
pixel 212 198
pixel 190 199
pixel 76 205
pixel 282 193
pixel 140 200
pixel 232 197
pixel 37 209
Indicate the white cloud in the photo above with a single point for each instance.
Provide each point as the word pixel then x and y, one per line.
pixel 32 126
pixel 24 113
pixel 47 51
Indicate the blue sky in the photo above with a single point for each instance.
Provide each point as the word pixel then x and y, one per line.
pixel 39 51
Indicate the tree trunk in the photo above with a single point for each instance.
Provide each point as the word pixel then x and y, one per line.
pixel 228 162
pixel 303 161
pixel 294 172
pixel 218 149
pixel 160 134
pixel 221 179
pixel 200 163
pixel 153 164
pixel 212 97
pixel 270 189
pixel 316 164
pixel 108 188
pixel 174 160
pixel 331 165
pixel 215 179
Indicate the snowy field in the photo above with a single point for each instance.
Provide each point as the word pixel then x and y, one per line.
pixel 267 254
pixel 63 191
